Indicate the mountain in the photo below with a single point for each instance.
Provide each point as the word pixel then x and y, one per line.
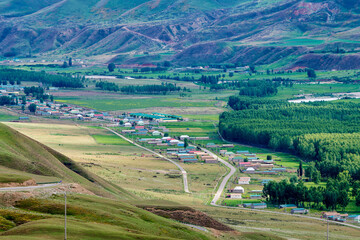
pixel 186 32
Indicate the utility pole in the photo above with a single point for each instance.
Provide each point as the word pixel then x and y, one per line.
pixel 327 228
pixel 65 236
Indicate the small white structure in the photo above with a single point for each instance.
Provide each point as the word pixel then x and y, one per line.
pixel 156 133
pixel 250 169
pixel 125 120
pixel 238 189
pixel 166 138
pixel 140 123
pixel 174 142
pixel 127 125
pixel 235 196
pixel 244 180
pixel 183 137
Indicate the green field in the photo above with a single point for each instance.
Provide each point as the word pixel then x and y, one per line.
pixel 110 140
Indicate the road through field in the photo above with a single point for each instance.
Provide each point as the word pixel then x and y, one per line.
pixel 226 178
pixel 183 172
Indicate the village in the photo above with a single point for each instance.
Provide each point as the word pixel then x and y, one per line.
pixel 150 131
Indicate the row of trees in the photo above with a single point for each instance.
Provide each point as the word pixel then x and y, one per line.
pixel 5 100
pixel 140 89
pixel 55 80
pixel 326 133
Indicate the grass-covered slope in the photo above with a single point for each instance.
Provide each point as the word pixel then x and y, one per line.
pixel 21 153
pixel 89 218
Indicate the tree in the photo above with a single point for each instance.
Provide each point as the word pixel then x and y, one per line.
pixel 357 199
pixel 111 67
pixel 355 188
pixel 231 74
pixel 70 62
pixel 268 157
pixel 166 134
pixel 330 198
pixel 23 107
pixel 51 98
pixel 32 107
pixel 311 73
pixel 186 144
pixel 316 176
pixel 293 179
pixel 343 199
pixel 300 171
pixel 23 100
pixel 65 65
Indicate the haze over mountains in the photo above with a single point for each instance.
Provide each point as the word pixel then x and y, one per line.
pixel 286 33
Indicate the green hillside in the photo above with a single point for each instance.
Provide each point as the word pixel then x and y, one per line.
pixel 23 155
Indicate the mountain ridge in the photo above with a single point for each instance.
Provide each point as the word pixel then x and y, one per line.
pixel 172 30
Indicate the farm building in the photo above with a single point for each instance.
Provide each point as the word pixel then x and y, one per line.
pixel 236 159
pixel 265 181
pixel 127 124
pixel 258 205
pixel 250 170
pixel 288 206
pixel 256 191
pixel 229 153
pixel 242 152
pixel 228 145
pixel 235 196
pixel 256 196
pixel 244 180
pixel 279 169
pixel 156 133
pixel 183 137
pixel 334 215
pixel 299 211
pixel 238 189
pixel 211 160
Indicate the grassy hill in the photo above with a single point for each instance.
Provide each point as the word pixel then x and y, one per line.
pixel 22 155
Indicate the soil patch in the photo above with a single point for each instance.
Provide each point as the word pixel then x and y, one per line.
pixel 187 215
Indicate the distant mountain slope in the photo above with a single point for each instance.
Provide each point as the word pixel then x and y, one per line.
pixel 174 29
pixel 19 152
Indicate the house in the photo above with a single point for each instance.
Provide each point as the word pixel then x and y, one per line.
pixel 244 180
pixel 183 137
pixel 127 124
pixel 354 218
pixel 299 211
pixel 235 196
pixel 236 159
pixel 258 205
pixel 238 189
pixel 334 215
pixel 256 196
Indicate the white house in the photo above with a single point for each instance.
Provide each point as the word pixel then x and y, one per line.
pixel 244 180
pixel 127 125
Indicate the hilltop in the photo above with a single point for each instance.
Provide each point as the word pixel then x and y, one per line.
pixel 309 33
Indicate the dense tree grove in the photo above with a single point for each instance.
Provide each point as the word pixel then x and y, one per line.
pixel 107 86
pixel 54 80
pixel 323 132
pixel 4 100
pixel 258 88
pixel 335 195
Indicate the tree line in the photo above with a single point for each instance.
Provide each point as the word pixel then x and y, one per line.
pixel 55 80
pixel 336 194
pixel 140 89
